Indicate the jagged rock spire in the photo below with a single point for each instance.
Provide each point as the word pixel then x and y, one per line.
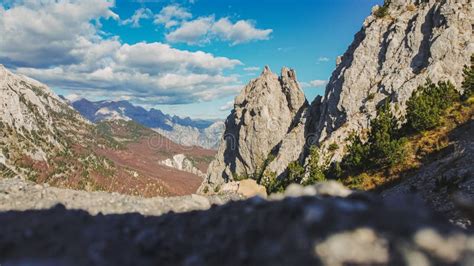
pixel 268 111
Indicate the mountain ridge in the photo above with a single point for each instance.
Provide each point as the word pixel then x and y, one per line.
pixel 393 54
pixel 185 131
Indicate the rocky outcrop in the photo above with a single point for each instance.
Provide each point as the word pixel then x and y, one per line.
pixel 180 162
pixel 321 229
pixel 268 117
pixel 34 122
pixel 248 188
pixel 390 57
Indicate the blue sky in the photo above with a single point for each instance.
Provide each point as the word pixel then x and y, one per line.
pixel 188 58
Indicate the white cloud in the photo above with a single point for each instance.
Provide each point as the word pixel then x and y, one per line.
pixel 323 59
pixel 142 13
pixel 314 84
pixel 73 97
pixel 229 105
pixel 192 32
pixel 252 69
pixel 44 29
pixel 60 44
pixel 172 15
pixel 203 29
pixel 241 32
pixel 154 58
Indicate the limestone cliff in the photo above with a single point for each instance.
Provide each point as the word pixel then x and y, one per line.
pixel 267 117
pixel 395 52
pixel 33 120
pixel 390 57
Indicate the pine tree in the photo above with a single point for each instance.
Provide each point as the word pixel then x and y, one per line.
pixel 385 146
pixel 427 104
pixel 468 83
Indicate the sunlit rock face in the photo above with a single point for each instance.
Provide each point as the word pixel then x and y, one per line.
pixel 389 58
pixel 267 121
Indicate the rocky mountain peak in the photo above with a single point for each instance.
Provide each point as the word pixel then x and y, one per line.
pixel 267 112
pixel 401 45
pixel 395 52
pixel 266 70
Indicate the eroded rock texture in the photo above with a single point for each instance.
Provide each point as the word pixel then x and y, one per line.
pixel 268 119
pixel 389 58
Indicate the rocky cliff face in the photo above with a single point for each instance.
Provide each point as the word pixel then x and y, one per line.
pixel 267 117
pixel 395 52
pixel 182 163
pixel 34 122
pixel 390 57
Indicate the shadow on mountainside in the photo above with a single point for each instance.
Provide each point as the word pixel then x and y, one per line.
pixel 444 175
pixel 361 229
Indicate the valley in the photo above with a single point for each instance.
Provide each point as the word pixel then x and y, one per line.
pixel 46 141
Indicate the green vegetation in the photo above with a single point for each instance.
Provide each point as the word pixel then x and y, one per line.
pixel 333 147
pixel 468 83
pixel 296 174
pixel 356 157
pixel 383 10
pixel 315 170
pixel 371 96
pixel 384 146
pixel 432 112
pixel 428 103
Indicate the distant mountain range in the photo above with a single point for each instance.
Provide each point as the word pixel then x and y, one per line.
pixel 184 131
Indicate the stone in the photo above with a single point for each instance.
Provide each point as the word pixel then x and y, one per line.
pixel 390 58
pixel 268 116
pixel 182 163
pixel 332 188
pixel 249 188
pixel 293 231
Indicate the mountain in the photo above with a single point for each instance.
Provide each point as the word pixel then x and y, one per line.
pixel 184 131
pixel 400 46
pixel 36 126
pixel 268 117
pixel 43 139
pixel 390 57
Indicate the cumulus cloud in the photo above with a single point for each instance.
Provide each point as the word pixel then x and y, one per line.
pixel 314 84
pixel 60 32
pixel 154 58
pixel 134 20
pixel 241 32
pixel 202 30
pixel 192 32
pixel 172 15
pixel 60 43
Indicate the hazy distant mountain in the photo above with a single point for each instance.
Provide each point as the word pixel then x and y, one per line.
pixel 185 131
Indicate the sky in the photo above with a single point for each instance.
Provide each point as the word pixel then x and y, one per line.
pixel 184 57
